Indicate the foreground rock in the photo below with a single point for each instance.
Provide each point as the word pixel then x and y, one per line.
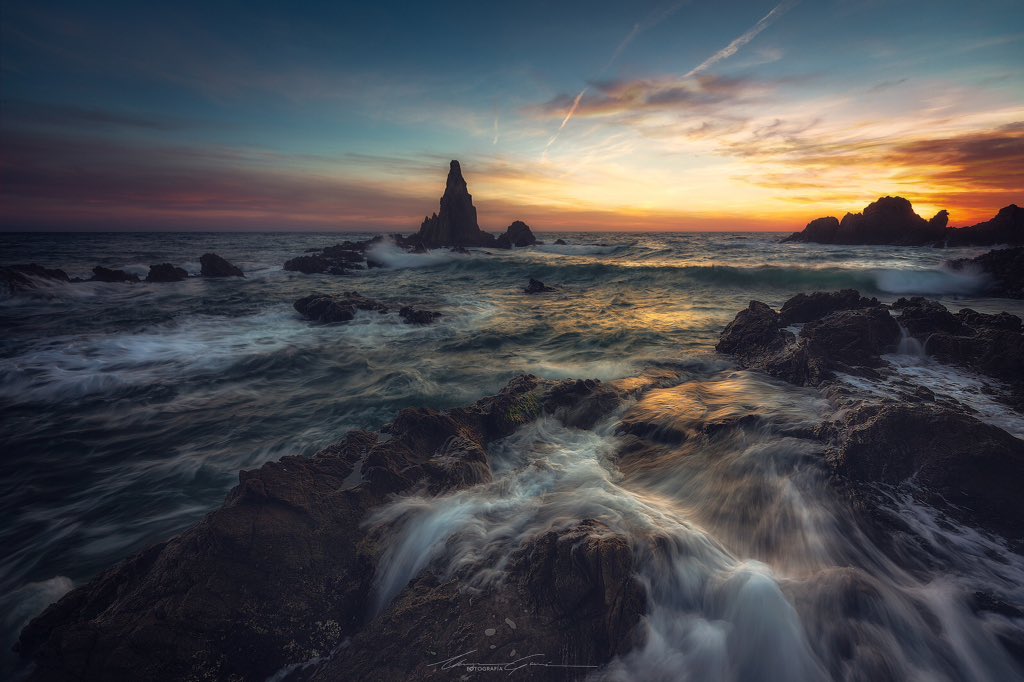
pixel 215 266
pixel 1004 267
pixel 330 308
pixel 888 220
pixel 165 272
pixel 537 287
pixel 102 274
pixel 21 277
pixel 283 572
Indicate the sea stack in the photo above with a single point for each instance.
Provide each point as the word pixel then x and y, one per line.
pixel 455 224
pixel 888 220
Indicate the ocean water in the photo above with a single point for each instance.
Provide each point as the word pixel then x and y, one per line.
pixel 128 411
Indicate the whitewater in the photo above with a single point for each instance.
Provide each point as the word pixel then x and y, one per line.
pixel 129 410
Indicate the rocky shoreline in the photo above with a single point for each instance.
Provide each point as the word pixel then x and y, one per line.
pixel 284 578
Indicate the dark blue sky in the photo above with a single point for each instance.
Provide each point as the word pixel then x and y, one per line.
pixel 688 115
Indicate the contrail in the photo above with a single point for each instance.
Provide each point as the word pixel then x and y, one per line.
pixel 565 121
pixel 735 46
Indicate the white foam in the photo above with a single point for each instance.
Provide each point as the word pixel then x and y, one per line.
pixel 393 256
pixel 929 281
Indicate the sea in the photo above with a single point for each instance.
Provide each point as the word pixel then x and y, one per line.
pixel 129 409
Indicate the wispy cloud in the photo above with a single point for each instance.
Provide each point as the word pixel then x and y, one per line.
pixel 740 42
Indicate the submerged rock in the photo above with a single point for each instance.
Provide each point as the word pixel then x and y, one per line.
pixel 1004 267
pixel 21 277
pixel 215 266
pixel 455 224
pixel 330 308
pixel 413 316
pixel 518 234
pixel 283 572
pixel 537 287
pixel 102 274
pixel 165 272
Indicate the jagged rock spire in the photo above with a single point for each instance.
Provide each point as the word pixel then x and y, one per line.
pixel 455 224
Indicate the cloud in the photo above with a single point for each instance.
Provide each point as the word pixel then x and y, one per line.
pixel 740 42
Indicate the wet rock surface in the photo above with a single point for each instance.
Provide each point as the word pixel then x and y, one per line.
pixel 215 266
pixel 282 574
pixel 166 272
pixel 535 286
pixel 102 274
pixel 330 308
pixel 21 277
pixel 1004 267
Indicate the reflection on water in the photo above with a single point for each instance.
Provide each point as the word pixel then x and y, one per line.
pixel 129 409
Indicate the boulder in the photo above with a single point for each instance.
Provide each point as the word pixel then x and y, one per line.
pixel 165 272
pixel 455 224
pixel 308 265
pixel 518 234
pixel 807 307
pixel 1004 267
pixel 282 573
pixel 560 242
pixel 102 274
pixel 537 287
pixel 215 266
pixel 21 277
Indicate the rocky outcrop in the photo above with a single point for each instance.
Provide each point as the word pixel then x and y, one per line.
pixel 21 277
pixel 842 332
pixel 954 458
pixel 165 272
pixel 889 220
pixel 537 287
pixel 329 308
pixel 340 259
pixel 283 572
pixel 1007 227
pixel 518 234
pixel 455 223
pixel 215 266
pixel 102 274
pixel 1004 268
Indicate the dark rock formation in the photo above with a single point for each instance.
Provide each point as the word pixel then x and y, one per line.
pixel 537 287
pixel 1007 227
pixel 165 272
pixel 413 316
pixel 328 308
pixel 215 266
pixel 455 224
pixel 102 274
pixel 974 466
pixel 1004 267
pixel 889 220
pixel 808 307
pixel 843 331
pixel 517 234
pixel 339 259
pixel 560 242
pixel 283 572
pixel 21 277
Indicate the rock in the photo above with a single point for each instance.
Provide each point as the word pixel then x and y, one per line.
pixel 455 224
pixel 282 572
pixel 1004 321
pixel 215 266
pixel 20 277
pixel 308 265
pixel 413 316
pixel 537 287
pixel 955 458
pixel 560 242
pixel 518 234
pixel 922 317
pixel 888 220
pixel 848 340
pixel 102 274
pixel 329 308
pixel 1004 267
pixel 1007 227
pixel 807 307
pixel 165 272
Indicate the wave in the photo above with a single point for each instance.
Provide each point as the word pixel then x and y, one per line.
pixel 393 256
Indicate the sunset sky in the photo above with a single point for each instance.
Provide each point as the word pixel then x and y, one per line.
pixel 569 115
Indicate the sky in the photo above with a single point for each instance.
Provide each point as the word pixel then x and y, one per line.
pixel 677 115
